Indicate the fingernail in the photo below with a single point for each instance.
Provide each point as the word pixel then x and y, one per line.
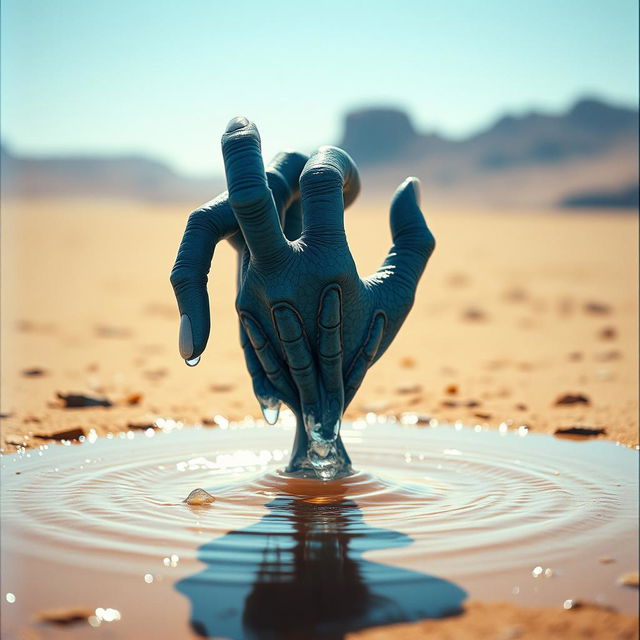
pixel 185 338
pixel 416 189
pixel 239 122
pixel 270 413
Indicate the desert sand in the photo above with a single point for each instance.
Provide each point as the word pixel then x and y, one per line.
pixel 516 311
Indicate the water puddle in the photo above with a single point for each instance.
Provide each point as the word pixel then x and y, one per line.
pixel 435 515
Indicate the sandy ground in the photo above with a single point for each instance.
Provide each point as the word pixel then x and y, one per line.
pixel 515 310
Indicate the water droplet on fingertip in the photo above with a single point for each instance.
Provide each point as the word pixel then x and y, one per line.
pixel 193 362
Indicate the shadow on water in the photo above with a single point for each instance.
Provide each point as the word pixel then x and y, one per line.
pixel 300 573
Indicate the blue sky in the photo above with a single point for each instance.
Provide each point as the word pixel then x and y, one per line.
pixel 162 77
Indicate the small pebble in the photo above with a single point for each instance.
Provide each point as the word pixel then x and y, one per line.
pixel 571 398
pixel 597 308
pixel 64 616
pixel 199 497
pixel 409 387
pixel 608 333
pixel 34 373
pixel 408 362
pixel 585 432
pixel 630 579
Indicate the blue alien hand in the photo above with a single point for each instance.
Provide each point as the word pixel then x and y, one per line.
pixel 208 225
pixel 313 324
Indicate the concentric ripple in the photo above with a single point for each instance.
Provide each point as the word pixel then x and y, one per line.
pixel 505 515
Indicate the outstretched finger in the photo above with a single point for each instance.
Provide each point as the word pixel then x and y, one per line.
pixel 413 243
pixel 330 358
pixel 249 194
pixel 206 226
pixel 365 357
pixel 328 184
pixel 301 365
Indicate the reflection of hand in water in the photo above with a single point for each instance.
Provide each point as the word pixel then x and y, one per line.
pixel 299 573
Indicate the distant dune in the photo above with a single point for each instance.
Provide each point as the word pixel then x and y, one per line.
pixel 128 177
pixel 530 160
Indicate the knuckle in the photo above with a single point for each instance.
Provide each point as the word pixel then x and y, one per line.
pixel 320 179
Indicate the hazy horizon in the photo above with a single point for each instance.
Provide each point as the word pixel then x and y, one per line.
pixel 160 80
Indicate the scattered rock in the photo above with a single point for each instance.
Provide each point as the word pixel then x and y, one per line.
pixel 14 439
pixel 199 497
pixel 407 362
pixel 76 401
pixel 34 373
pixel 451 389
pixel 141 426
pixel 606 560
pixel 109 331
pixel 630 579
pixel 65 434
pixel 461 403
pixel 65 616
pixel 521 406
pixel 482 415
pixel 572 398
pixel 606 356
pixel 596 308
pixel 574 356
pixel 474 314
pixel 608 333
pixel 409 387
pixel 221 387
pixel 583 432
pixel 133 399
pixel 4 416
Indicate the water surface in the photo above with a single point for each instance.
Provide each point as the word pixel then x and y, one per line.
pixel 434 516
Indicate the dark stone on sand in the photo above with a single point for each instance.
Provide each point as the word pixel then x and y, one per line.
pixel 608 333
pixel 584 432
pixel 34 373
pixel 597 308
pixel 572 398
pixel 77 401
pixel 66 434
pixel 474 314
pixel 141 426
pixel 66 616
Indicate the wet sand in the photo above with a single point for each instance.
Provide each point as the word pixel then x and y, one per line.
pixel 516 312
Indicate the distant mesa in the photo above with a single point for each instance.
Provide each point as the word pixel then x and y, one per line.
pixel 377 135
pixel 382 135
pixel 626 198
pixel 588 154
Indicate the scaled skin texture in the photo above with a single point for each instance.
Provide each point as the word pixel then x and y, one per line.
pixel 310 326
